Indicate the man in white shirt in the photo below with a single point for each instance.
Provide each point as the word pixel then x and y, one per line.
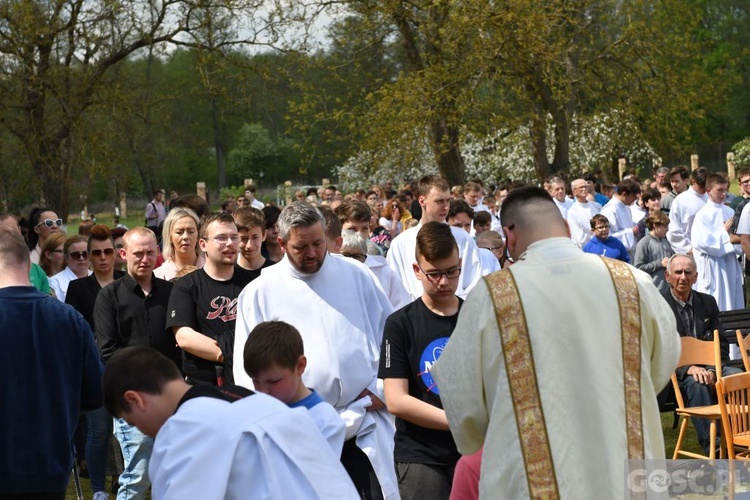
pixel 251 199
pixel 340 311
pixel 683 210
pixel 617 211
pixel 434 198
pixel 580 214
pixel 556 188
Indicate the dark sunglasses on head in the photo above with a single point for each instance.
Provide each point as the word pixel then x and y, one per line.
pixel 50 223
pixel 79 255
pixel 99 251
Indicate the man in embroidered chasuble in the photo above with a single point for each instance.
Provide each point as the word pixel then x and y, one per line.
pixel 600 343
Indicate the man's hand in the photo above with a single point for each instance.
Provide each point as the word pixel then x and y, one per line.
pixel 701 375
pixel 377 404
pixel 728 224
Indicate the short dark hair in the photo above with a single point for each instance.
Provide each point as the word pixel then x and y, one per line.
pixel 135 369
pixel 432 181
pixel 210 219
pixel 743 172
pixel 482 217
pixel 681 170
pixel 649 194
pixel 333 224
pixel 249 217
pixel 713 179
pixel 354 210
pixel 628 186
pixel 193 202
pixel 272 343
pixel 435 241
pixel 699 176
pixel 459 206
pixel 596 219
pixel 271 214
pixel 517 199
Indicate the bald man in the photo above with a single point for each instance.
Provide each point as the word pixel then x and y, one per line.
pixel 530 336
pixel 580 213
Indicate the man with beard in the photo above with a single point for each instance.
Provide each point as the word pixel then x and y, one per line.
pixel 340 313
pixel 203 305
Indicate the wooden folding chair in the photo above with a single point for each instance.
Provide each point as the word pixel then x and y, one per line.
pixel 744 345
pixel 697 352
pixel 733 392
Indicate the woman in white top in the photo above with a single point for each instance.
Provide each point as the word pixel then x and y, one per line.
pixel 77 260
pixel 180 241
pixel 391 217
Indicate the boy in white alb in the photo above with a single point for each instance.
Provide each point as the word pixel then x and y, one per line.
pixel 220 443
pixel 275 360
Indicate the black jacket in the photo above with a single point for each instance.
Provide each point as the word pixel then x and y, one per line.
pixel 706 318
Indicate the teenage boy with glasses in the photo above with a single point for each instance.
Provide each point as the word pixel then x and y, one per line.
pixel 413 339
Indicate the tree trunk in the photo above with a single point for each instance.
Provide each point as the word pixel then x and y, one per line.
pixel 218 143
pixel 538 135
pixel 445 146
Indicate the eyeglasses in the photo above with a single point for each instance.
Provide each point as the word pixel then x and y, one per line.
pixel 746 181
pixel 223 239
pixel 79 255
pixel 435 276
pixel 50 223
pixel 99 251
pixel 356 256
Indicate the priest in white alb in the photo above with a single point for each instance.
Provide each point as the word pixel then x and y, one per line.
pixel 719 271
pixel 434 198
pixel 683 210
pixel 340 312
pixel 555 364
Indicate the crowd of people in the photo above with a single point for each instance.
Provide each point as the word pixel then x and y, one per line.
pixel 356 345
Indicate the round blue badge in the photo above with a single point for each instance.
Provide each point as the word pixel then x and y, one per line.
pixel 431 354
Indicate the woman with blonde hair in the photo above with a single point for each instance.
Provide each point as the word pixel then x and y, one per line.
pixel 52 259
pixel 180 243
pixel 77 259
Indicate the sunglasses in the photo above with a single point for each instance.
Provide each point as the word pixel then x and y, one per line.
pixel 79 255
pixel 50 223
pixel 99 251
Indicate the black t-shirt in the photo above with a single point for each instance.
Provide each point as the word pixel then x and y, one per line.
pixel 413 339
pixel 207 306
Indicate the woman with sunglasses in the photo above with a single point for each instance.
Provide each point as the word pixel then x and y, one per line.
pixel 77 260
pixel 42 223
pixel 53 254
pixel 82 296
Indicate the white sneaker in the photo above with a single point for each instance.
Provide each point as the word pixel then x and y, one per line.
pixel 101 495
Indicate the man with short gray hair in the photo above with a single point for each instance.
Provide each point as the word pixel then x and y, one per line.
pixel 340 312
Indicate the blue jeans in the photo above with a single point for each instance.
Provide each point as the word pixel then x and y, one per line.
pixel 697 394
pixel 136 451
pixel 97 444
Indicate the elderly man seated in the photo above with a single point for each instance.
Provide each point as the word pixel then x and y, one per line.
pixel 697 316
